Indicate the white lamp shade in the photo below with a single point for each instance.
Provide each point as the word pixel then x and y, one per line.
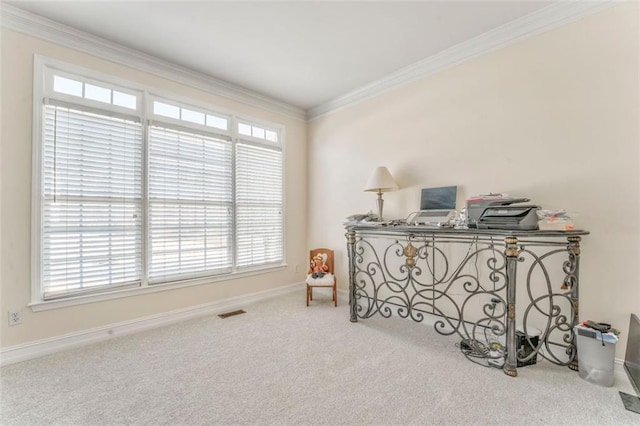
pixel 381 180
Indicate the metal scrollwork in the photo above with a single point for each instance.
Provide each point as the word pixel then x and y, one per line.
pixel 465 285
pixel 426 284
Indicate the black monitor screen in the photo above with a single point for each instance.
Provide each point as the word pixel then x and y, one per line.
pixel 632 356
pixel 443 198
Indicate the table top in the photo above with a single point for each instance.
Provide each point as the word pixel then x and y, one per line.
pixel 386 228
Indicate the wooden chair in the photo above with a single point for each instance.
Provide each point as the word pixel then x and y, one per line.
pixel 328 280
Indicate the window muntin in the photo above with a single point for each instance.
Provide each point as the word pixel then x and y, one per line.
pixel 120 221
pixel 92 92
pixel 189 115
pixel 258 131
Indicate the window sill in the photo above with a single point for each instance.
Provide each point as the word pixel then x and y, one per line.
pixel 39 306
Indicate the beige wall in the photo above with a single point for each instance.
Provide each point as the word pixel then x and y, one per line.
pixel 553 117
pixel 17 82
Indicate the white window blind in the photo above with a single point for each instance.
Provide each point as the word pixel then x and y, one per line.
pixel 91 201
pixel 190 204
pixel 259 204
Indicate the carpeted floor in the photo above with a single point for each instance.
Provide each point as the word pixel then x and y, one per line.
pixel 282 363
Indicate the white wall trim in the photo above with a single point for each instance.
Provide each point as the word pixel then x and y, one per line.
pixel 48 346
pixel 28 23
pixel 545 19
pixel 32 350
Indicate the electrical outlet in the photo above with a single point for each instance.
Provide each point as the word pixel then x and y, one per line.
pixel 15 317
pixel 297 268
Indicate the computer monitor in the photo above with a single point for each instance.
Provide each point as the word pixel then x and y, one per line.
pixel 632 366
pixel 632 356
pixel 442 198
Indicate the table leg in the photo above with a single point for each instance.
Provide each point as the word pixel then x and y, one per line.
pixel 511 252
pixel 351 241
pixel 572 279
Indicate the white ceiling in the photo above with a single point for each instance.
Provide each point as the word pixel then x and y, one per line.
pixel 300 52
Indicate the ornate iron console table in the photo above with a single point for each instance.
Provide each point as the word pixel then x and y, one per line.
pixel 467 281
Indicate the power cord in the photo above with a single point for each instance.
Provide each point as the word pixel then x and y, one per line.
pixel 475 351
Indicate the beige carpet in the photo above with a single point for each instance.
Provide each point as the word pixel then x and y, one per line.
pixel 284 364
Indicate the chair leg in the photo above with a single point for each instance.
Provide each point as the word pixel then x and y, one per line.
pixel 307 295
pixel 335 297
pixel 310 293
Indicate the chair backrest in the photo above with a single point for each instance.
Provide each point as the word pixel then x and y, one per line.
pixel 328 252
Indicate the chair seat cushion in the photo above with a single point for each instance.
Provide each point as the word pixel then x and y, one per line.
pixel 326 280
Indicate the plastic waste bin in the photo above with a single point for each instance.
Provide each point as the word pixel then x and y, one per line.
pixel 596 355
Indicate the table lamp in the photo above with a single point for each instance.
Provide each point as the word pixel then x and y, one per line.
pixel 380 181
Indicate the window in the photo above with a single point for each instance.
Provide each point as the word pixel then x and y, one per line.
pixel 259 204
pixel 258 132
pixel 190 205
pixel 128 200
pixel 92 201
pixel 168 110
pixel 100 94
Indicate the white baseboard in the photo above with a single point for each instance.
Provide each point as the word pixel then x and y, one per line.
pixel 27 351
pixel 31 350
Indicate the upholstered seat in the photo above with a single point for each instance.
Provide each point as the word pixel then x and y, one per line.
pixel 328 280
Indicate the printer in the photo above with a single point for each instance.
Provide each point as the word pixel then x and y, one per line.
pixel 496 211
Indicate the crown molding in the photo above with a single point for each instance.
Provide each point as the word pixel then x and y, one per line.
pixel 545 19
pixel 542 20
pixel 28 23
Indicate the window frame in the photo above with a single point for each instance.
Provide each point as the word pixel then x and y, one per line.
pixel 44 69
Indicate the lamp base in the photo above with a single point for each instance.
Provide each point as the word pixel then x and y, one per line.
pixel 380 205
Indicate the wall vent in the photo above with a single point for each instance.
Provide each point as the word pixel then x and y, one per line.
pixel 232 313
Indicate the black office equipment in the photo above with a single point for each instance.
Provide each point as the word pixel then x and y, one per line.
pixel 478 204
pixel 517 218
pixel 525 348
